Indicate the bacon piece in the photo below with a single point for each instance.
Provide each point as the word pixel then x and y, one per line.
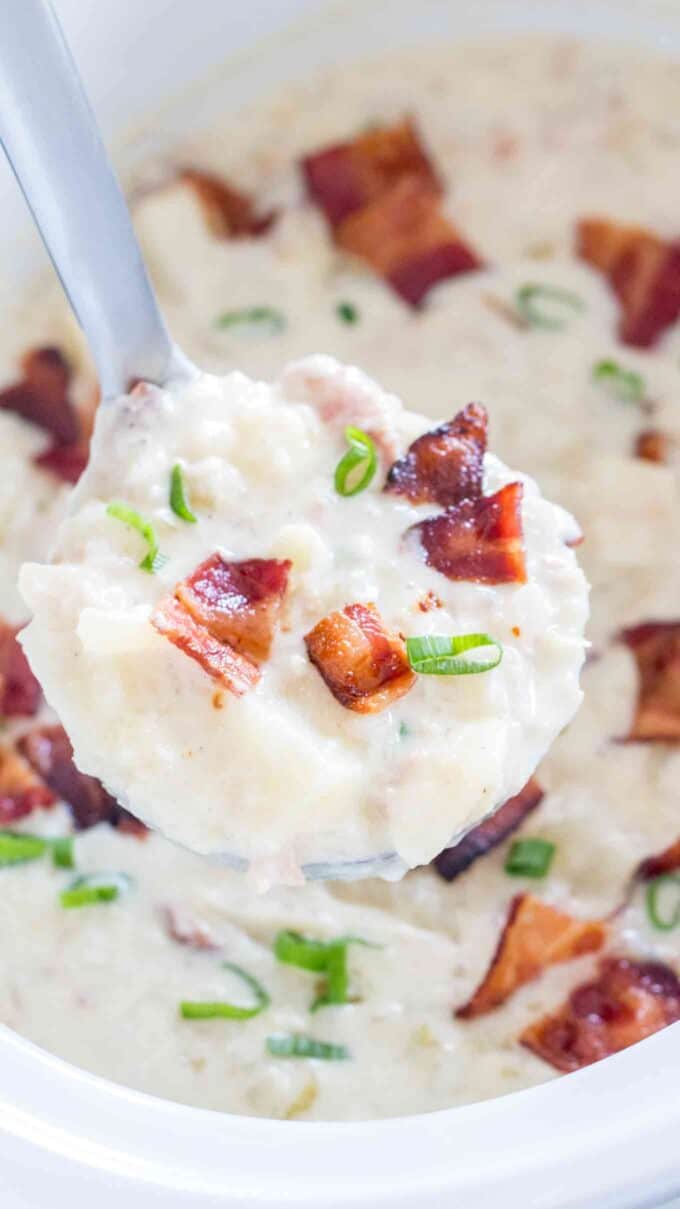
pixel 643 271
pixel 186 930
pixel 479 539
pixel 21 791
pixel 363 663
pixel 627 1002
pixel 446 465
pixel 490 832
pixel 49 752
pixel 656 648
pixel 42 395
pixel 406 238
pixel 229 213
pixel 535 936
pixel 652 445
pixel 667 861
pixel 237 602
pixel 236 672
pixel 20 693
pixel 343 178
pixel 67 462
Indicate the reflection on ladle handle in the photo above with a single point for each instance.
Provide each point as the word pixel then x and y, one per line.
pixel 53 144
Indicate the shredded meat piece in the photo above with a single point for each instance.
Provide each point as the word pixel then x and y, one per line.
pixel 364 664
pixel 20 693
pixel 404 235
pixel 228 212
pixel 643 271
pixel 174 621
pixel 42 395
pixel 186 930
pixel 446 465
pixel 628 1001
pixel 479 539
pixel 238 603
pixel 381 197
pixel 21 791
pixel 49 752
pixel 489 833
pixel 652 445
pixel 343 178
pixel 667 861
pixel 535 935
pixel 656 648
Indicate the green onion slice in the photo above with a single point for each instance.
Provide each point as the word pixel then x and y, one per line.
pixel 190 1010
pixel 264 320
pixel 623 384
pixel 299 1045
pixel 153 559
pixel 444 654
pixel 356 468
pixel 320 957
pixel 92 888
pixel 529 858
pixel 293 949
pixel 546 305
pixel 62 852
pixel 178 496
pixel 659 914
pixel 347 312
pixel 16 848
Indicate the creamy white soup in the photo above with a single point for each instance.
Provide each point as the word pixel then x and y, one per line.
pixel 503 231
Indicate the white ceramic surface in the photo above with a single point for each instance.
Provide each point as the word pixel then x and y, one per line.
pixel 606 1138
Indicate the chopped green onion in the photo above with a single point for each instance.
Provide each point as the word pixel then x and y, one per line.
pixel 623 384
pixel 15 847
pixel 122 512
pixel 361 456
pixel 298 1045
pixel 228 1011
pixel 178 496
pixel 293 949
pixel 530 858
pixel 336 982
pixel 62 852
pixel 347 312
pixel 92 888
pixel 664 920
pixel 404 730
pixel 441 654
pixel 266 319
pixel 532 299
pixel 320 957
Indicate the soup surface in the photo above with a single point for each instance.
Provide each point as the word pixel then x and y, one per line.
pixel 546 285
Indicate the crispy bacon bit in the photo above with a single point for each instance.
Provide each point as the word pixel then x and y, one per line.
pixel 656 648
pixel 652 445
pixel 49 752
pixel 446 465
pixel 363 663
pixel 186 930
pixel 21 791
pixel 430 601
pixel 627 1002
pixel 20 693
pixel 381 197
pixel 229 213
pixel 67 462
pixel 42 395
pixel 479 539
pixel 343 178
pixel 236 672
pixel 667 861
pixel 237 602
pixel 643 271
pixel 488 834
pixel 535 936
pixel 406 238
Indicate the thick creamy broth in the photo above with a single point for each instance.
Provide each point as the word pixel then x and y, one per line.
pixel 528 137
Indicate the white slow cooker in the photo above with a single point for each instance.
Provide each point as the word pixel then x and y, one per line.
pixel 608 1136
